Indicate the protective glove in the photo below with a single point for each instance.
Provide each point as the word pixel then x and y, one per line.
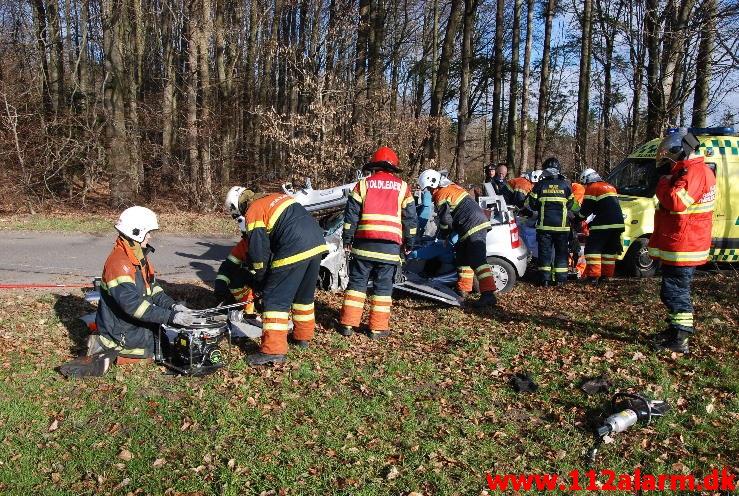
pixel 181 307
pixel 183 319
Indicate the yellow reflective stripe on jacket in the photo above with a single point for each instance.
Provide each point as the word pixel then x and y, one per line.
pixel 141 309
pixel 257 224
pixel 358 294
pixel 696 208
pixel 375 254
pixel 223 278
pixel 685 197
pixel 257 265
pixel 357 197
pixel 383 217
pixel 115 282
pixel 347 226
pixel 234 259
pixel 459 199
pixel 157 289
pixel 362 189
pixel 299 257
pixel 278 211
pixel 110 344
pixel 381 227
pixel 484 225
pixel 679 256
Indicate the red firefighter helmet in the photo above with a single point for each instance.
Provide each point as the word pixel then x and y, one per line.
pixel 384 158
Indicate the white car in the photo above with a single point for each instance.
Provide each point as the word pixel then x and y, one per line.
pixel 506 252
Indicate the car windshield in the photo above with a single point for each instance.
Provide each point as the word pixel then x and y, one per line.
pixel 635 177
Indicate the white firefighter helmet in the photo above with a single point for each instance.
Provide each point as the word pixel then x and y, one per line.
pixel 232 201
pixel 589 176
pixel 136 222
pixel 429 178
pixel 535 175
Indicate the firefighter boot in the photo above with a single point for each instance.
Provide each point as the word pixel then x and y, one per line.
pixel 300 343
pixel 663 336
pixel 374 335
pixel 678 344
pixel 260 358
pixel 487 299
pixel 346 330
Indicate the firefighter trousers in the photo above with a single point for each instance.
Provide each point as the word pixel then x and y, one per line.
pixel 471 259
pixel 290 289
pixel 602 248
pixel 553 253
pixel 382 275
pixel 675 294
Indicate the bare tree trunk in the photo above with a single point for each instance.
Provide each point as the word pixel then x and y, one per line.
pixel 673 55
pixel 583 92
pixel 497 81
pixel 169 97
pixel 442 78
pixel 360 67
pixel 703 76
pixel 56 55
pixel 525 86
pixel 511 135
pixel 83 57
pixel 41 36
pixel 637 53
pixel 654 90
pixel 191 118
pixel 205 34
pixel 133 57
pixel 544 83
pixel 124 182
pixel 463 113
pixel 225 86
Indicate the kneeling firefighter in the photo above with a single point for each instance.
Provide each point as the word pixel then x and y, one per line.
pixel 682 231
pixel 379 219
pixel 604 239
pixel 233 282
pixel 285 247
pixel 459 213
pixel 132 303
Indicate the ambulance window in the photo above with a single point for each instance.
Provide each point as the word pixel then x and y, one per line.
pixel 712 166
pixel 635 177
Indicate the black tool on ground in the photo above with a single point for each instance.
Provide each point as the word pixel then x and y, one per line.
pixel 522 383
pixel 196 350
pixel 628 409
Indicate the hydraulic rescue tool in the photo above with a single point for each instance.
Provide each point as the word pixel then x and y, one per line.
pixel 628 409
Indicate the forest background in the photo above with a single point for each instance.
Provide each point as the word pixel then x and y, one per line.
pixel 114 102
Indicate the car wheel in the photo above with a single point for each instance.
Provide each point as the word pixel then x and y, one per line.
pixel 637 261
pixel 504 274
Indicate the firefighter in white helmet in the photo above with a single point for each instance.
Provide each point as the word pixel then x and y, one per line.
pixel 132 303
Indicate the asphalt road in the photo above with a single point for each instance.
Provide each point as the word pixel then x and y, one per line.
pixel 71 258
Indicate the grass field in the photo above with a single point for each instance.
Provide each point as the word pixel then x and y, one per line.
pixel 428 411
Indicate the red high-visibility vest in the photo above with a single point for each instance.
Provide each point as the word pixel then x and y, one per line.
pixel 383 196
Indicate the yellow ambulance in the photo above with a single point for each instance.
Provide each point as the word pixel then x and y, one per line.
pixel 636 180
